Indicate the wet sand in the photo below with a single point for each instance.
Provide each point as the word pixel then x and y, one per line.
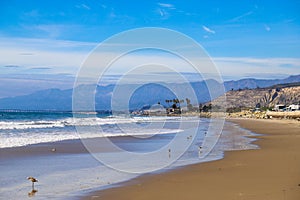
pixel 60 147
pixel 272 172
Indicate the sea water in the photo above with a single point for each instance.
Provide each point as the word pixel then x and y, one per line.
pixel 63 176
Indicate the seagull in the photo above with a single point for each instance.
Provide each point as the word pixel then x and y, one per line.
pixel 33 180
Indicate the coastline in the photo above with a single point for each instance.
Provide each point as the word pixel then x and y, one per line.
pixel 271 172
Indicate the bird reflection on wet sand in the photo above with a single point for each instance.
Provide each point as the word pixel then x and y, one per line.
pixel 32 193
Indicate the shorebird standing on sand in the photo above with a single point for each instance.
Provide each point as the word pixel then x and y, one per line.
pixel 33 180
pixel 200 150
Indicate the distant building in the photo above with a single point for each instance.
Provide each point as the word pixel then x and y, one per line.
pixel 171 111
pixel 155 110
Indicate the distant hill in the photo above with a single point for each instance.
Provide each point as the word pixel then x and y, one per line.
pixel 51 99
pixel 251 83
pixel 267 97
pixel 284 85
pixel 147 95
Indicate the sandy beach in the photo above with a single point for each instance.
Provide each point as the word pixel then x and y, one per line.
pixel 272 172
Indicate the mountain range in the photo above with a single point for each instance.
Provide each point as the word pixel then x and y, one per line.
pixel 146 95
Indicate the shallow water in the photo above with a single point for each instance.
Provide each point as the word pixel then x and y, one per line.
pixel 150 141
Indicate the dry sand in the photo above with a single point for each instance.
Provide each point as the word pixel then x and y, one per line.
pixel 270 173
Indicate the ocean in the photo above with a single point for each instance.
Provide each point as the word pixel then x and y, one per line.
pixel 119 148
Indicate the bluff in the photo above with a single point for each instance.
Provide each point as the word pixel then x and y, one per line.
pixel 266 97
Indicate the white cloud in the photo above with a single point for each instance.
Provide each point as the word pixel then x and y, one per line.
pixel 52 31
pixel 161 12
pixel 62 62
pixel 288 21
pixel 61 56
pixel 83 6
pixel 31 14
pixel 44 44
pixel 265 67
pixel 205 28
pixel 267 28
pixel 166 5
pixel 235 19
pixel 165 9
pixel 67 56
pixel 261 61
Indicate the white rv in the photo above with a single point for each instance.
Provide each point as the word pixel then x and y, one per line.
pixel 293 107
pixel 279 107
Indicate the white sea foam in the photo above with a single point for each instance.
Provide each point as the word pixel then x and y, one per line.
pixel 30 124
pixel 91 121
pixel 24 139
pixel 21 132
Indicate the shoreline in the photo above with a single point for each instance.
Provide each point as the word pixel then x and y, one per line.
pixel 271 172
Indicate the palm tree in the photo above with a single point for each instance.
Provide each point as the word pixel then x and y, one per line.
pixel 188 101
pixel 209 107
pixel 200 107
pixel 181 101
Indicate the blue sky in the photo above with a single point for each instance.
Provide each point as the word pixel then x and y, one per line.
pixel 43 43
